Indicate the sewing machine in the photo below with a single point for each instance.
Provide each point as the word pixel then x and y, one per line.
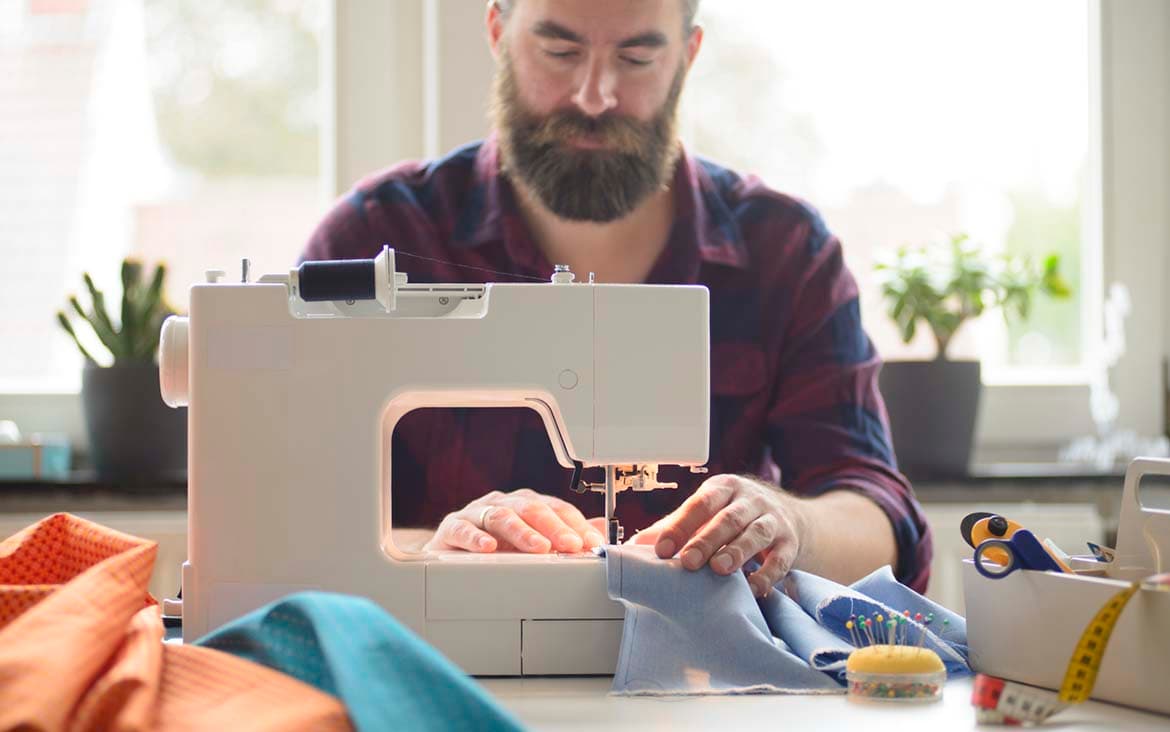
pixel 295 382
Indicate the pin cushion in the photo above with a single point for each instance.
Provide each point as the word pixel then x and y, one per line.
pixel 895 673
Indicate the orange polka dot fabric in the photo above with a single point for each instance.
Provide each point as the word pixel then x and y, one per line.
pixel 81 647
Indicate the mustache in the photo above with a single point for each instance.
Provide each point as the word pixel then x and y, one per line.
pixel 620 133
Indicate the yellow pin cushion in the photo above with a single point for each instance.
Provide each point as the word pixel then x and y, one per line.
pixel 888 659
pixel 895 673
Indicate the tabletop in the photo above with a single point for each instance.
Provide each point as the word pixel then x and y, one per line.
pixel 576 703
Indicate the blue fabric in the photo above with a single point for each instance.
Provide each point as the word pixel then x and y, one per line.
pixel 387 677
pixel 701 633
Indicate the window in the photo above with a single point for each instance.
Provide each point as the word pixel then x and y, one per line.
pixel 906 122
pixel 183 131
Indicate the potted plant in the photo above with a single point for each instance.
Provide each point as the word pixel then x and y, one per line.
pixel 933 404
pixel 134 437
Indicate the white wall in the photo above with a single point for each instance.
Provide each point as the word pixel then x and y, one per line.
pixel 403 80
pixel 460 82
pixel 372 84
pixel 1135 77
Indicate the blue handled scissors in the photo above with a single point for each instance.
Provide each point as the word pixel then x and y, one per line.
pixel 1024 551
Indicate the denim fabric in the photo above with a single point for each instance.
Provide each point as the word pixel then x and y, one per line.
pixel 701 633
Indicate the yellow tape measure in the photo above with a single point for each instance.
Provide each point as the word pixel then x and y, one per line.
pixel 1086 658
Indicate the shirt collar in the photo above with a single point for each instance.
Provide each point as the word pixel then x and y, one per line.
pixel 705 230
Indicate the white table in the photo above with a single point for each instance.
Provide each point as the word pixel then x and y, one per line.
pixel 577 703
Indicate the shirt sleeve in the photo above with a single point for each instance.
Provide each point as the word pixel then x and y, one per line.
pixel 344 233
pixel 827 424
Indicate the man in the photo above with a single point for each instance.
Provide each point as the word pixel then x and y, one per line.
pixel 584 169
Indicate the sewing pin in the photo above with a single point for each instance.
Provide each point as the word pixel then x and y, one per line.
pixel 925 625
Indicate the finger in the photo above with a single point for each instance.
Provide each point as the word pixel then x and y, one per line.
pixel 539 516
pixel 753 539
pixel 462 534
pixel 684 521
pixel 728 524
pixel 576 520
pixel 779 560
pixel 504 524
pixel 649 535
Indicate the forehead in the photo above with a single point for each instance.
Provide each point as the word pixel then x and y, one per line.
pixel 602 21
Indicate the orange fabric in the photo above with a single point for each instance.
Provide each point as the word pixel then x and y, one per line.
pixel 81 647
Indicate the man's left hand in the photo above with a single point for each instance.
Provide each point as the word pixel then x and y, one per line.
pixel 729 520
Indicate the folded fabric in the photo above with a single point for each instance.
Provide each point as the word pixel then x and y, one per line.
pixel 387 676
pixel 81 647
pixel 701 633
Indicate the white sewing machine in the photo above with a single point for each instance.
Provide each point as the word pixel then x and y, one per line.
pixel 294 385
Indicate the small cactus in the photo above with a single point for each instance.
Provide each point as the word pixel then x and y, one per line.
pixel 135 338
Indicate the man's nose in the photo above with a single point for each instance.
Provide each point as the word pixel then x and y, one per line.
pixel 596 92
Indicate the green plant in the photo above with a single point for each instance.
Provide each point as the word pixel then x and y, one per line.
pixel 944 286
pixel 134 339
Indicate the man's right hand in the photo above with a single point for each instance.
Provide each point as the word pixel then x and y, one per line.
pixel 523 521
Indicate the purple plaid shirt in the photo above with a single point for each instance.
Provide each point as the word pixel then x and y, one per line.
pixel 793 375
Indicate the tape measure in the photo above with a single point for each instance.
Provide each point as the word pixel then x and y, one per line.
pixel 1082 670
pixel 1005 702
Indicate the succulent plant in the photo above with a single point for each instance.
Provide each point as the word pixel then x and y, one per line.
pixel 134 338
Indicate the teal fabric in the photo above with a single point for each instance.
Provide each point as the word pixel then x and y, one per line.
pixel 387 677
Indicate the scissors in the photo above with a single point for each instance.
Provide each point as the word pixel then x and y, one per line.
pixel 1022 550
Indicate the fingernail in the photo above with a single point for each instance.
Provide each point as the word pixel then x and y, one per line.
pixel 533 540
pixel 721 563
pixel 569 542
pixel 665 548
pixel 483 542
pixel 593 538
pixel 692 558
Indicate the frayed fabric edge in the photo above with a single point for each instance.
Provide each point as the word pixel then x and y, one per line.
pixel 756 690
pixel 941 644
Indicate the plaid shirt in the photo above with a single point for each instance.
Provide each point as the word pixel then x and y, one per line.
pixel 793 375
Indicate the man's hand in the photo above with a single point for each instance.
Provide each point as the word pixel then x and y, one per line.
pixel 729 520
pixel 522 520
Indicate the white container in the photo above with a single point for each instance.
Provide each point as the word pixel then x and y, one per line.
pixel 1025 626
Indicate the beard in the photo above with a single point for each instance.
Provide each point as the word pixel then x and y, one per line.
pixel 599 185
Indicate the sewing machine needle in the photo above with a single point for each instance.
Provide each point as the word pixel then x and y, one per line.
pixel 613 528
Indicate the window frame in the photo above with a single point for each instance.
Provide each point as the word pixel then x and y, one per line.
pixel 431 96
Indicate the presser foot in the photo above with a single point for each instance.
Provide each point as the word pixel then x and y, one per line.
pixel 616 532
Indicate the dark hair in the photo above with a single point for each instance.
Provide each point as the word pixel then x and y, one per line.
pixel 690 9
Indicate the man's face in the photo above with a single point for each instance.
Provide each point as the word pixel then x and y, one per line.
pixel 585 101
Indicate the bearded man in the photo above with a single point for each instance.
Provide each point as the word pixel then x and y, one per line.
pixel 584 168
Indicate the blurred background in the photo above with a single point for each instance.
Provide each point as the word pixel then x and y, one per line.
pixel 198 132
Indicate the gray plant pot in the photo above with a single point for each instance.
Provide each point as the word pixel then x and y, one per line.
pixel 933 406
pixel 134 438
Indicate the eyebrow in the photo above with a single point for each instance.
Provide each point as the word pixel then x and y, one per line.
pixel 556 31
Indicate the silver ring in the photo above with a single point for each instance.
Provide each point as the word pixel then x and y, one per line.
pixel 483 517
